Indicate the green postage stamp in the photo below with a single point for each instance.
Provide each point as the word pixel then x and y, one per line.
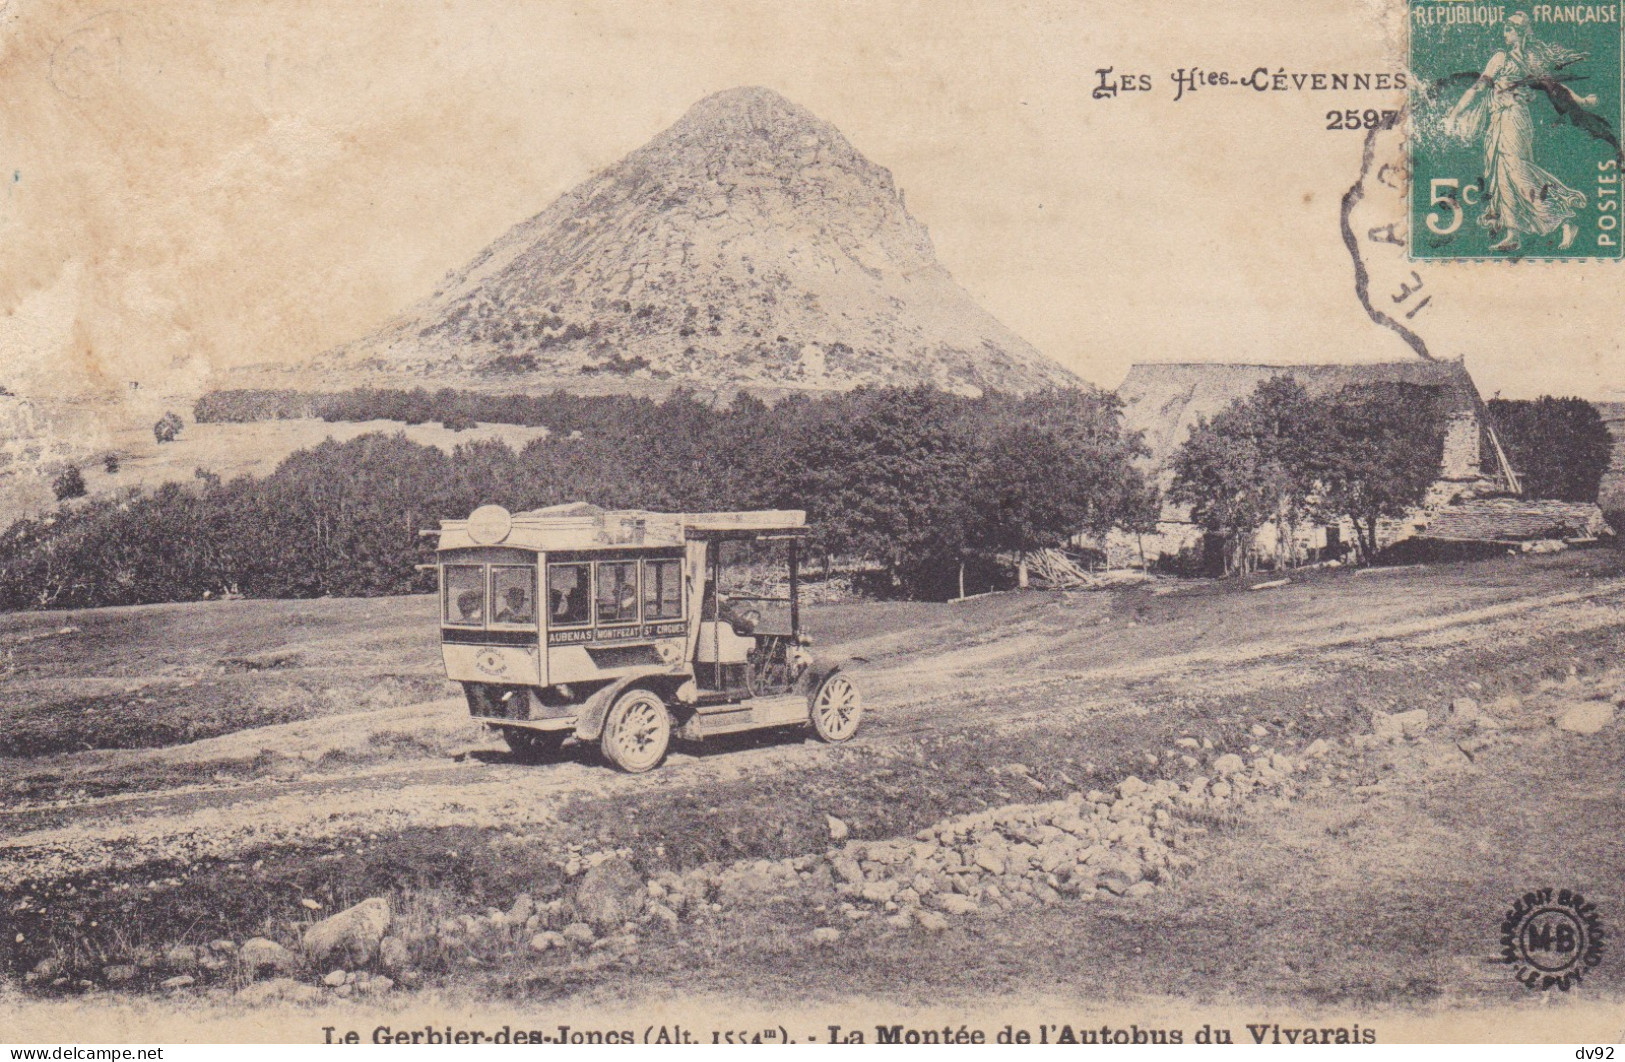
pixel 1515 120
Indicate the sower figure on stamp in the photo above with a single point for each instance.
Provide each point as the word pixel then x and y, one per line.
pixel 1519 196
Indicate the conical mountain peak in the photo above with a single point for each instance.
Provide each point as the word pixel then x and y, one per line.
pixel 747 244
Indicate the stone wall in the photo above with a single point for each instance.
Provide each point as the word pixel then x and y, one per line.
pixel 1462 450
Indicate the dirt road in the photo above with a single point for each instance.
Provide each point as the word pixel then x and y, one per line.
pixel 1005 674
pixel 1077 690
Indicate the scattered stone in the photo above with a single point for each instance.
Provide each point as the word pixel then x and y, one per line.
pixel 523 907
pixel 1316 749
pixel 931 921
pixel 1463 710
pixel 838 830
pixel 1229 764
pixel 989 859
pixel 1413 723
pixel 121 974
pixel 825 935
pixel 1394 727
pixel 45 970
pixel 579 933
pixel 335 978
pixel 1131 786
pixel 847 869
pixel 1138 889
pixel 610 894
pixel 353 933
pixel 1258 731
pixel 1587 717
pixel 548 941
pixel 880 892
pixel 182 981
pixel 261 953
pixel 955 904
pixel 223 945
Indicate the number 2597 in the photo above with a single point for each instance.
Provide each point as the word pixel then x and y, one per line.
pixel 1370 118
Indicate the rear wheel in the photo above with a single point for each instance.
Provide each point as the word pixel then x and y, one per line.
pixel 637 731
pixel 836 709
pixel 533 746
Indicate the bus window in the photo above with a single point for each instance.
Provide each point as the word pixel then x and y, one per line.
pixel 617 592
pixel 569 595
pixel 513 595
pixel 662 589
pixel 464 593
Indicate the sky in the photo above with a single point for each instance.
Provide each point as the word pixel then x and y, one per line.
pixel 191 186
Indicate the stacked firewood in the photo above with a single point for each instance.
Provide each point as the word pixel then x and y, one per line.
pixel 1053 569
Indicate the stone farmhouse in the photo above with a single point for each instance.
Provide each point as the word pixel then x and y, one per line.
pixel 1164 401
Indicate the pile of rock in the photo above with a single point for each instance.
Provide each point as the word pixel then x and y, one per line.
pixel 1085 846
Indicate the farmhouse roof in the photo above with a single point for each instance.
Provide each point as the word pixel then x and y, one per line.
pixel 1164 399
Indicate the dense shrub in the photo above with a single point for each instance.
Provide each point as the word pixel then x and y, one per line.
pixel 1559 446
pixel 69 484
pixel 168 428
pixel 912 478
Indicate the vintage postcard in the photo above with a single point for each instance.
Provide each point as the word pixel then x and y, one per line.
pixel 667 521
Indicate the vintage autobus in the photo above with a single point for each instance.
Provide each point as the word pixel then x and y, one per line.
pixel 614 627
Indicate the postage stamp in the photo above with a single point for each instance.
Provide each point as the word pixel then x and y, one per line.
pixel 1515 130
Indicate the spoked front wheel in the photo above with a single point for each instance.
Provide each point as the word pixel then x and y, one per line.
pixel 836 709
pixel 637 732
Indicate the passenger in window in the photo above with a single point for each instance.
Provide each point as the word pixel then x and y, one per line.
pixel 567 596
pixel 516 607
pixel 469 604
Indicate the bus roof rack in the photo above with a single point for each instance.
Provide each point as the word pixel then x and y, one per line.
pixel 580 526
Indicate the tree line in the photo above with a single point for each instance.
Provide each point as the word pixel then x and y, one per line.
pixel 912 479
pixel 1282 458
pixel 1559 447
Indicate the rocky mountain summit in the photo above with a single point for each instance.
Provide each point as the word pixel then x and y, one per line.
pixel 749 243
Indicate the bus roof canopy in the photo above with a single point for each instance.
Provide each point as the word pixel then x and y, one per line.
pixel 580 526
